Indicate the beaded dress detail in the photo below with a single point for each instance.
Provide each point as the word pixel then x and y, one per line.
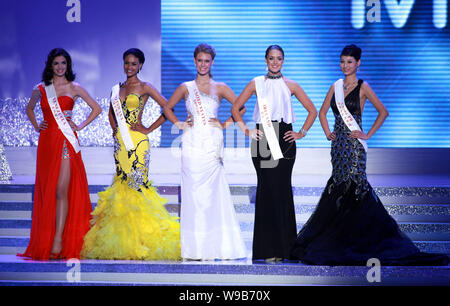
pixel 350 224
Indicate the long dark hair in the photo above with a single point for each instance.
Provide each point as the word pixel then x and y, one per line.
pixel 47 74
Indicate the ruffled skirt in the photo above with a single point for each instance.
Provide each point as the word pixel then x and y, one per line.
pixel 132 225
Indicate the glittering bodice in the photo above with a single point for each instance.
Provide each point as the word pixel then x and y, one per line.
pixel 347 154
pixel 66 104
pixel 131 107
pixel 210 105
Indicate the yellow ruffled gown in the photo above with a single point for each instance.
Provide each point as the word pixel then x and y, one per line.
pixel 130 221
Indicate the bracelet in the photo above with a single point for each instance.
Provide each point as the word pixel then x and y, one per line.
pixel 304 132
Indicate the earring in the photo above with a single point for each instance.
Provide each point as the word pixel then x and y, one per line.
pixel 357 69
pixel 267 69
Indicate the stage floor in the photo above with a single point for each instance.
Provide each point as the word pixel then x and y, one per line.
pixel 418 201
pixel 245 272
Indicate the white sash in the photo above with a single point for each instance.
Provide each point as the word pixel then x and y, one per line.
pixel 199 109
pixel 122 123
pixel 61 120
pixel 264 113
pixel 214 141
pixel 349 121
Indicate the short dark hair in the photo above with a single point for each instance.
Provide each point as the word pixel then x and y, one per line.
pixel 47 74
pixel 136 52
pixel 352 50
pixel 274 47
pixel 205 48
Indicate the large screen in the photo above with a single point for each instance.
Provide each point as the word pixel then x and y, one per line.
pixel 405 58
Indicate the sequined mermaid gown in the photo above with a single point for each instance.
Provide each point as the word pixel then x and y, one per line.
pixel 350 224
pixel 130 220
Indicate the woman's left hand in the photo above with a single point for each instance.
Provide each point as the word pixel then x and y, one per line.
pixel 73 126
pixel 291 136
pixel 190 121
pixel 358 134
pixel 138 127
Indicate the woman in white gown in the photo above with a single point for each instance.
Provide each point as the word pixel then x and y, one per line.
pixel 209 226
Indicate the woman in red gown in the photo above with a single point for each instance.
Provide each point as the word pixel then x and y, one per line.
pixel 61 207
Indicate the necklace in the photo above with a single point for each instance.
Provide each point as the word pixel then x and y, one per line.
pixel 346 87
pixel 129 84
pixel 274 77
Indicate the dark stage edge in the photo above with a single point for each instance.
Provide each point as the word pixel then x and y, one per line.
pixel 422 213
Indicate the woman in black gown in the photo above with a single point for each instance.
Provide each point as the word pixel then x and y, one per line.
pixel 350 224
pixel 275 226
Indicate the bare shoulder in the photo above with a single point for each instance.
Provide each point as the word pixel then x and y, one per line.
pixel 252 83
pixel 148 86
pixel 365 88
pixel 183 86
pixel 221 86
pixel 330 93
pixel 78 91
pixel 365 85
pixel 36 87
pixel 289 81
pixel 292 85
pixel 75 86
pixel 36 92
pixel 182 89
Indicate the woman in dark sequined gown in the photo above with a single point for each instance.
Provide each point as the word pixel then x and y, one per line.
pixel 350 224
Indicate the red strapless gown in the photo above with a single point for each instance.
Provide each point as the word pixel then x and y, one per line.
pixel 49 156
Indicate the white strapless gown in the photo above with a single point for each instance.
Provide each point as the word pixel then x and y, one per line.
pixel 209 225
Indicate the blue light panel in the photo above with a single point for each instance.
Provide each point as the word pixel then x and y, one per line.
pixel 405 59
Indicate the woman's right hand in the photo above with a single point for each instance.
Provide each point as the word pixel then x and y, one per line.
pixel 42 126
pixel 189 121
pixel 254 134
pixel 181 125
pixel 331 136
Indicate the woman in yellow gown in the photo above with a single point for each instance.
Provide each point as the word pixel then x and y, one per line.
pixel 130 220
